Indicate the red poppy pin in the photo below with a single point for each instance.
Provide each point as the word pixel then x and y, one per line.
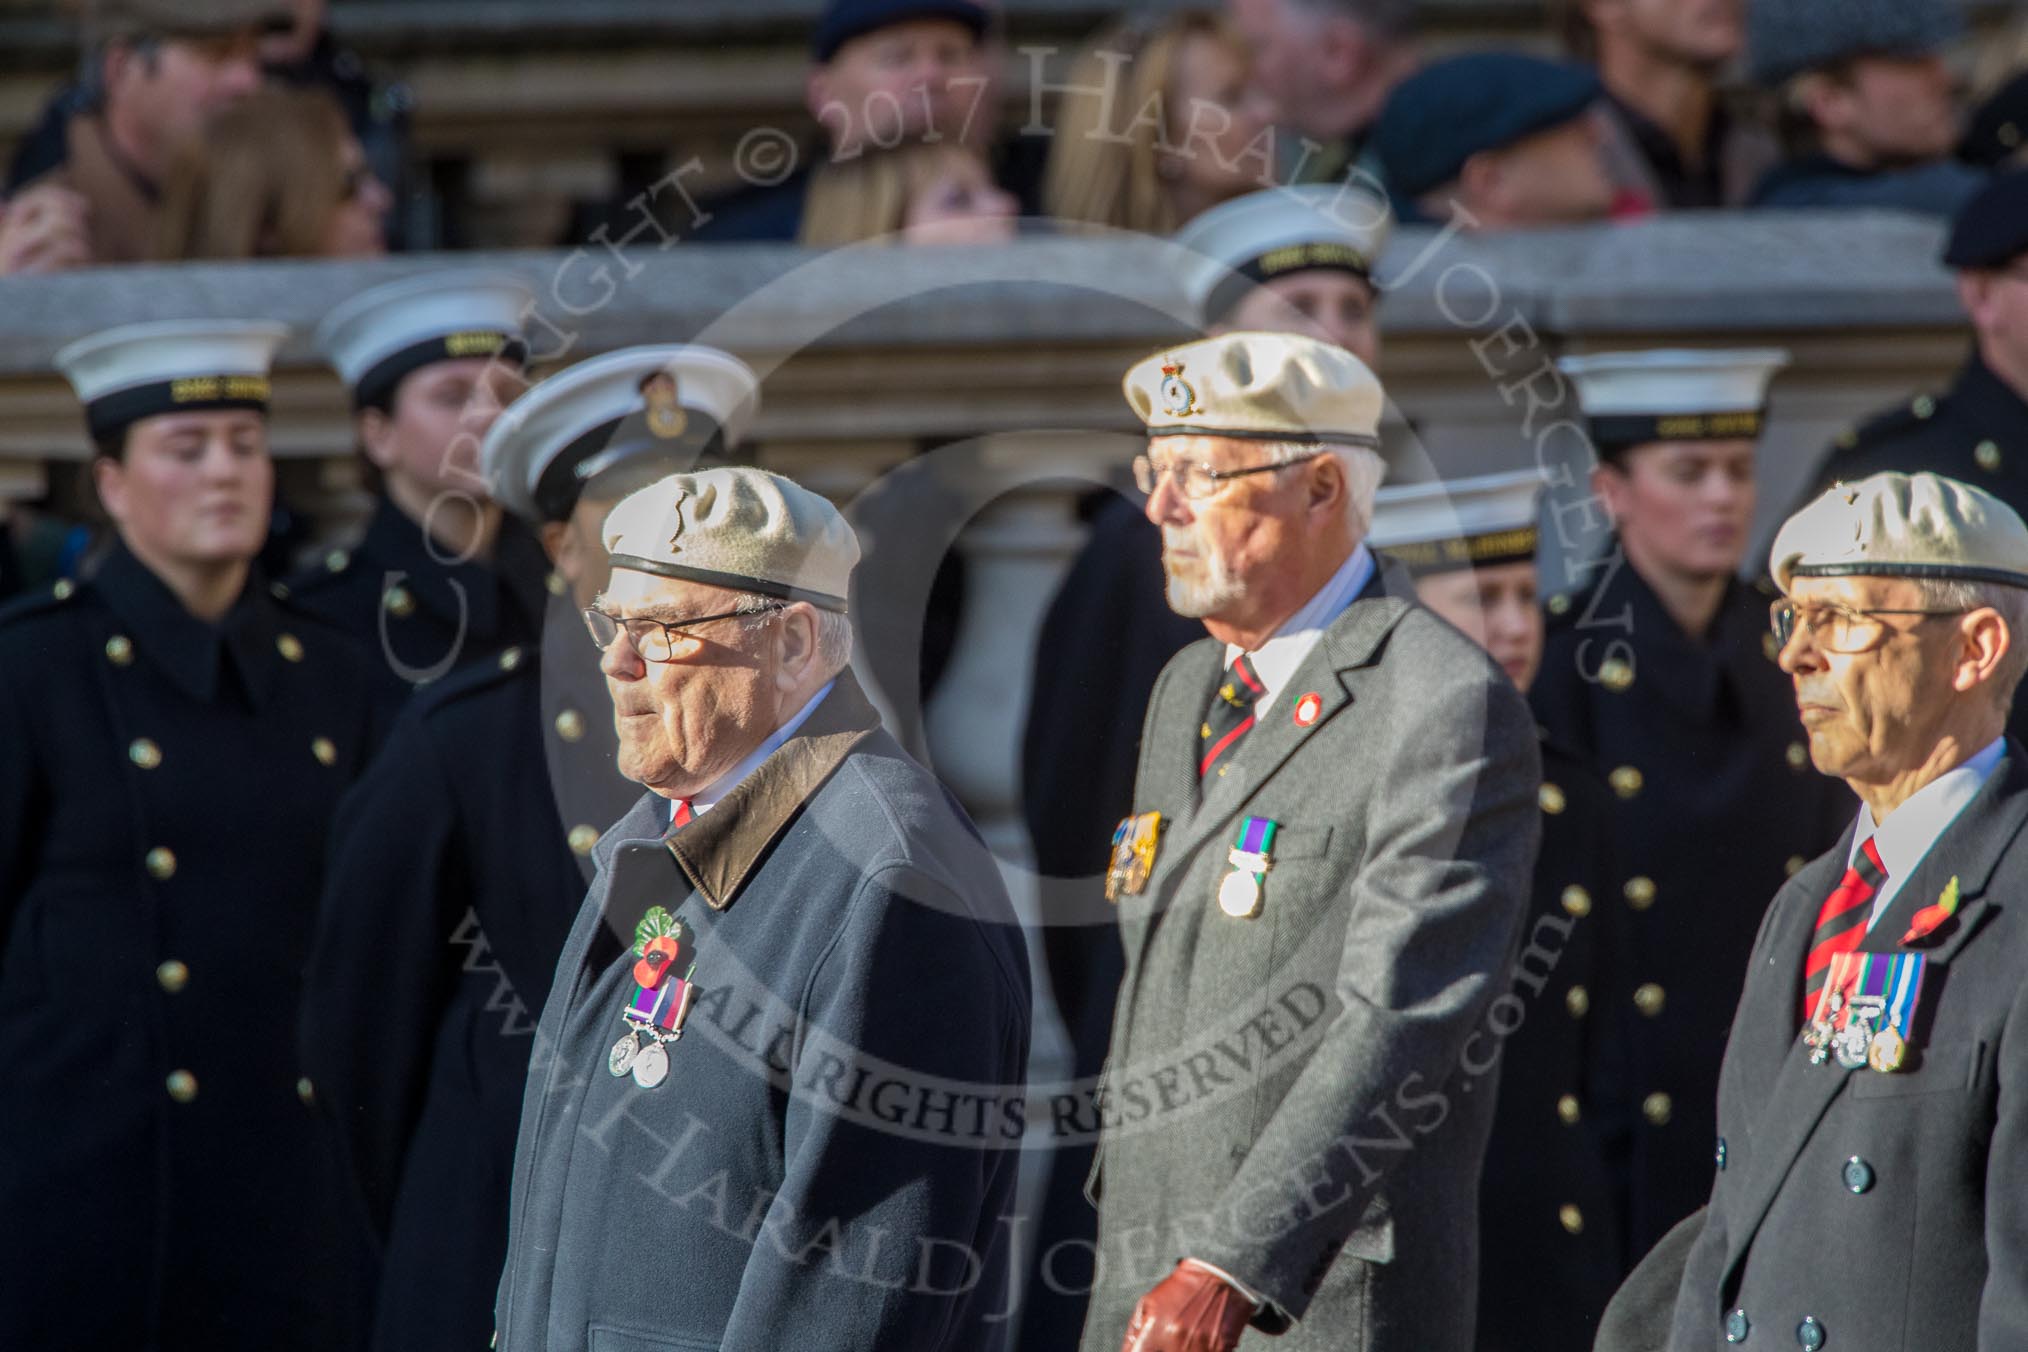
pixel 1307 709
pixel 1931 918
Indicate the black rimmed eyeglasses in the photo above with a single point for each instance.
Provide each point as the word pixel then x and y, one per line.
pixel 655 640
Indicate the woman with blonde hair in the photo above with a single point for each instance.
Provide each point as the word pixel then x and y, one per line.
pixel 277 175
pixel 920 193
pixel 1157 124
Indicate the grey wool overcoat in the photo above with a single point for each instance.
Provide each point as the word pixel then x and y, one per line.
pixel 1302 1098
pixel 830 1158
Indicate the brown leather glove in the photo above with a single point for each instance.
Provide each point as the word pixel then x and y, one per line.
pixel 1190 1310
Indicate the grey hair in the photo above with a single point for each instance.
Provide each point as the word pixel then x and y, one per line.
pixel 1364 469
pixel 1392 19
pixel 2012 605
pixel 834 629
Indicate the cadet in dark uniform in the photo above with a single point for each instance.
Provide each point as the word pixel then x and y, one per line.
pixel 1660 673
pixel 461 858
pixel 440 577
pixel 1553 1194
pixel 1977 431
pixel 1872 1128
pixel 177 740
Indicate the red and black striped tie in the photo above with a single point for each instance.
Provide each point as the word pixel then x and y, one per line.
pixel 1841 922
pixel 1231 714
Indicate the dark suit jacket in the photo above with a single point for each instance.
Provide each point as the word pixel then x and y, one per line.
pixel 1887 1210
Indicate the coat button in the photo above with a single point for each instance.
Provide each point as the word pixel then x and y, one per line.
pixel 1639 892
pixel 161 863
pixel 1987 455
pixel 289 646
pixel 1737 1327
pixel 570 725
pixel 1721 1154
pixel 335 561
pixel 510 659
pixel 1577 901
pixel 144 753
pixel 1793 865
pixel 1649 998
pixel 64 589
pixel 1578 1001
pixel 555 583
pixel 399 602
pixel 1798 756
pixel 1571 1218
pixel 582 838
pixel 306 1091
pixel 1550 798
pixel 173 976
pixel 1615 675
pixel 1858 1175
pixel 1568 1110
pixel 1657 1107
pixel 1810 1333
pixel 182 1085
pixel 1626 781
pixel 1769 648
pixel 1923 406
pixel 1559 604
pixel 325 750
pixel 120 650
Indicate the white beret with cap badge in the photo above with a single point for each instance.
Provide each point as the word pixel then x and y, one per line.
pixel 1282 387
pixel 1903 525
pixel 1255 238
pixel 738 528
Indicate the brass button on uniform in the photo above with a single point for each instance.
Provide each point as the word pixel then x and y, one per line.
pixel 1649 998
pixel 161 863
pixel 510 659
pixel 289 646
pixel 306 1091
pixel 1568 1110
pixel 1799 756
pixel 570 725
pixel 1770 647
pixel 1809 1334
pixel 1793 865
pixel 1639 892
pixel 582 838
pixel 1858 1175
pixel 336 560
pixel 279 590
pixel 399 602
pixel 182 1085
pixel 144 753
pixel 1577 901
pixel 1987 456
pixel 173 976
pixel 1550 798
pixel 1923 406
pixel 1615 675
pixel 1657 1107
pixel 554 581
pixel 325 750
pixel 1559 604
pixel 1626 781
pixel 120 650
pixel 1571 1217
pixel 1203 730
pixel 1737 1327
pixel 1578 1001
pixel 64 589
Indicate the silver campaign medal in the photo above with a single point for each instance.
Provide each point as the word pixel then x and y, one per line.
pixel 651 1067
pixel 621 1059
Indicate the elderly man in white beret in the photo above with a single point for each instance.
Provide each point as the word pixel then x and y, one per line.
pixel 777 1092
pixel 1869 1187
pixel 1319 893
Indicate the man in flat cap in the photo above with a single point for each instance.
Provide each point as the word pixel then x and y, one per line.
pixel 1327 66
pixel 1976 431
pixel 162 69
pixel 778 1088
pixel 1658 670
pixel 176 739
pixel 1319 892
pixel 1870 105
pixel 1498 140
pixel 1552 1197
pixel 460 859
pixel 1871 1124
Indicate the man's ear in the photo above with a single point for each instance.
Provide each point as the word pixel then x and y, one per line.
pixel 1328 487
pixel 799 645
pixel 1985 644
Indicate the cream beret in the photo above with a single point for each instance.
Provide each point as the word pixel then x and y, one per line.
pixel 1249 240
pixel 738 528
pixel 1259 387
pixel 1903 525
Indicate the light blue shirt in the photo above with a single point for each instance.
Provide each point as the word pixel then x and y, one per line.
pixel 1909 831
pixel 730 780
pixel 1275 661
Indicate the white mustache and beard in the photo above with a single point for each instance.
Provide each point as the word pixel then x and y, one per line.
pixel 1199 581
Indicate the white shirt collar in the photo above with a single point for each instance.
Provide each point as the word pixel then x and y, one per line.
pixel 1911 829
pixel 1275 661
pixel 704 801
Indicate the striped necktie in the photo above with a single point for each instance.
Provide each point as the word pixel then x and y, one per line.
pixel 1841 922
pixel 1230 716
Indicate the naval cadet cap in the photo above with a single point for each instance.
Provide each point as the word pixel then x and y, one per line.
pixel 844 20
pixel 186 18
pixel 1284 387
pixel 638 411
pixel 1239 244
pixel 1992 229
pixel 739 528
pixel 1456 108
pixel 141 371
pixel 380 337
pixel 1788 37
pixel 1633 398
pixel 1439 527
pixel 1903 525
